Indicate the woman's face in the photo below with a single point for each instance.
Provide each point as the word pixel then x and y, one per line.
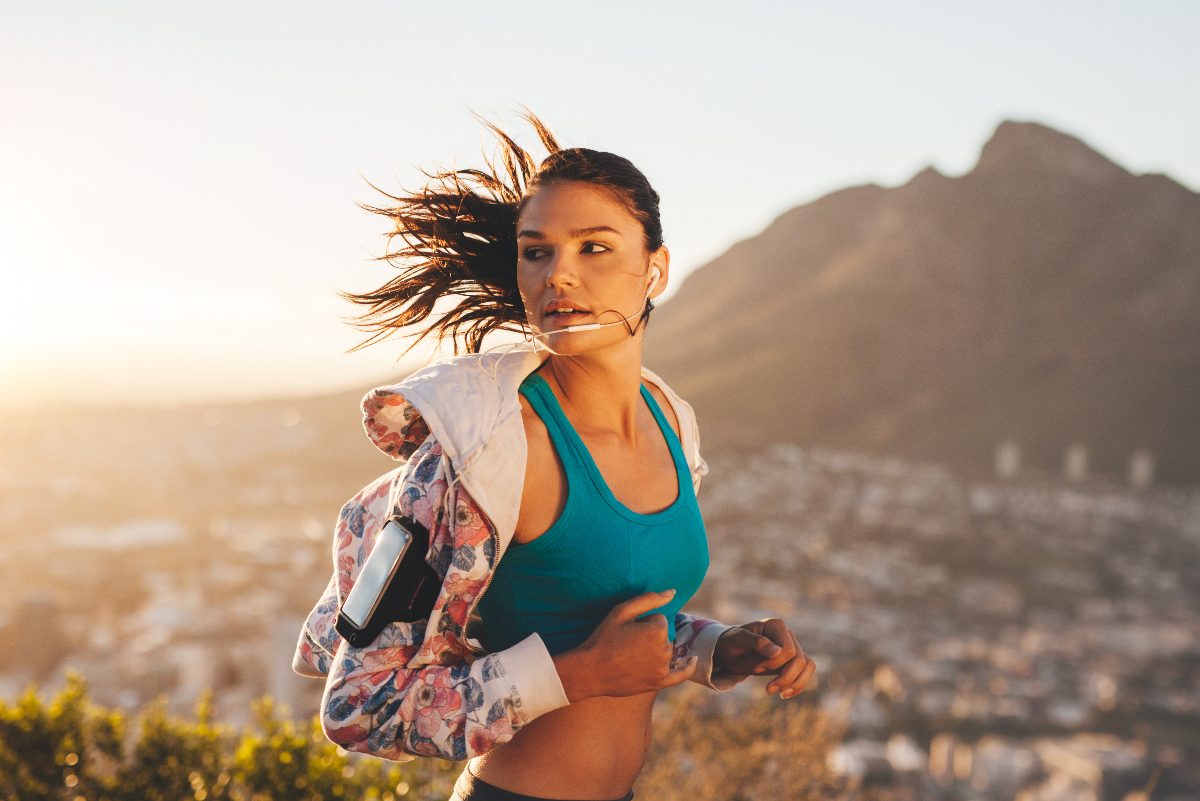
pixel 578 247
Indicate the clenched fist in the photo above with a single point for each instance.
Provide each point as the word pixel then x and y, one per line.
pixel 762 647
pixel 624 655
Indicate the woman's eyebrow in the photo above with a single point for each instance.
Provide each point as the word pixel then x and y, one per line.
pixel 578 232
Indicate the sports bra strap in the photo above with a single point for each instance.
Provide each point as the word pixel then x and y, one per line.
pixel 535 389
pixel 566 440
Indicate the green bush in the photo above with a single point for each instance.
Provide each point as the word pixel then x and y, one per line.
pixel 69 749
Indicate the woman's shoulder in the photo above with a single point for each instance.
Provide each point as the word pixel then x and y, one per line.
pixel 537 436
pixel 668 410
pixel 680 412
pixel 677 410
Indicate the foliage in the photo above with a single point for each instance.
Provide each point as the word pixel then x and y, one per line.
pixel 68 749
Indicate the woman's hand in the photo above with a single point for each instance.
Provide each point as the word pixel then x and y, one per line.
pixel 765 646
pixel 624 655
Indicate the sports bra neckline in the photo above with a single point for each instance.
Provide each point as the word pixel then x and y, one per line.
pixel 534 381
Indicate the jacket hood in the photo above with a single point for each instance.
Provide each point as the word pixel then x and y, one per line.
pixel 460 400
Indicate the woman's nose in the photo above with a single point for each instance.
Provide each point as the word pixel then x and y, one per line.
pixel 562 272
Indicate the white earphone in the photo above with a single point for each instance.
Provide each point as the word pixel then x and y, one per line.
pixel 654 274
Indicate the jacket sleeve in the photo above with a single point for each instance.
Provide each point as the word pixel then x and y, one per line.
pixel 464 704
pixel 697 636
pixel 318 638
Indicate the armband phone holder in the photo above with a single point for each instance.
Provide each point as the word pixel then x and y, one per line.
pixel 395 584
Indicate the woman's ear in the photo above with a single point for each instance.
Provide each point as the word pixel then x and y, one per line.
pixel 659 269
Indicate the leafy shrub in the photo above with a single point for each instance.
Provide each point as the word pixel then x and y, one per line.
pixel 69 749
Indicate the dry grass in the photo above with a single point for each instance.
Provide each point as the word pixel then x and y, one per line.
pixel 709 748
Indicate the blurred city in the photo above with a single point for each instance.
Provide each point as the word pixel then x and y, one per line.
pixel 1035 633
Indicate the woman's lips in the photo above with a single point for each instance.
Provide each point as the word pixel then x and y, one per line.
pixel 564 320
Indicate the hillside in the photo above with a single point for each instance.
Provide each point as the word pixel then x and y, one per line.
pixel 1048 296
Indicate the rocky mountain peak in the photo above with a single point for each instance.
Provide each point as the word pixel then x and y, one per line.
pixel 1023 147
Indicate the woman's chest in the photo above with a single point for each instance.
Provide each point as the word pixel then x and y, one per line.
pixel 644 481
pixel 563 583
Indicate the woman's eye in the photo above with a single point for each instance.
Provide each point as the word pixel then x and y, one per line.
pixel 533 254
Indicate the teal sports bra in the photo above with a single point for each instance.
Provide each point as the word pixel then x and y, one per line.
pixel 598 552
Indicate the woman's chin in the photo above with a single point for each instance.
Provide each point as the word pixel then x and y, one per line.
pixel 567 342
pixel 578 343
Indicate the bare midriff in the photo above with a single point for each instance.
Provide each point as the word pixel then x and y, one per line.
pixel 591 749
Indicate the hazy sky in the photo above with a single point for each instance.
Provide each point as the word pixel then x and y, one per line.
pixel 177 181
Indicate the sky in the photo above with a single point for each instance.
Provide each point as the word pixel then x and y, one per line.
pixel 178 181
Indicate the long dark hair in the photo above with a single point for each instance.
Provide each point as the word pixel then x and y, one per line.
pixel 460 239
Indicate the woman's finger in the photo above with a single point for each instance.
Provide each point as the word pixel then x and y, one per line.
pixel 777 631
pixel 767 650
pixel 792 669
pixel 801 682
pixel 739 650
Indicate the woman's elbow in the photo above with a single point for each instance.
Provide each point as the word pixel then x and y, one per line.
pixel 381 733
pixel 377 721
pixel 345 725
pixel 306 663
pixel 403 740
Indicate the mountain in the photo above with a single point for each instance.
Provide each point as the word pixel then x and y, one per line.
pixel 1047 296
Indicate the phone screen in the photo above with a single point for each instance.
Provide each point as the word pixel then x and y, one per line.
pixel 376 573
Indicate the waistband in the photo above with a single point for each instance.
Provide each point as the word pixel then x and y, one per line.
pixel 470 787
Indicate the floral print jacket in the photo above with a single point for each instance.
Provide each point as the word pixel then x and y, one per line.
pixel 428 688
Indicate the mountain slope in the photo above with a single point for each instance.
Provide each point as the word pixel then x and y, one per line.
pixel 1047 296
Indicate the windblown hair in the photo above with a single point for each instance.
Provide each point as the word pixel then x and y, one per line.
pixel 460 240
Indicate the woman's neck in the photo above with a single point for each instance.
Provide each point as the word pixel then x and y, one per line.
pixel 600 391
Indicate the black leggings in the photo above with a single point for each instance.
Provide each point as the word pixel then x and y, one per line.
pixel 470 787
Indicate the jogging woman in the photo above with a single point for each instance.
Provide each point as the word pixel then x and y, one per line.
pixel 557 482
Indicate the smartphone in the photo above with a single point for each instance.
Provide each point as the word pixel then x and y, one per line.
pixel 394 584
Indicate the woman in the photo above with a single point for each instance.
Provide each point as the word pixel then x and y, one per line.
pixel 558 486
